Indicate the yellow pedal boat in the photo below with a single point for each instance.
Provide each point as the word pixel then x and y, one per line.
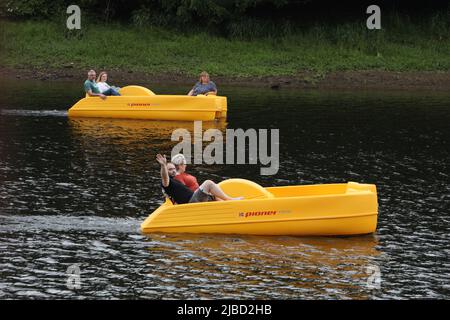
pixel 137 102
pixel 309 210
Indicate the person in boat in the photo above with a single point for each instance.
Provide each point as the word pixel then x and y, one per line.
pixel 91 87
pixel 188 180
pixel 203 86
pixel 180 194
pixel 104 87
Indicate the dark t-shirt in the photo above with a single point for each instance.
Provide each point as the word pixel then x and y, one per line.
pixel 178 191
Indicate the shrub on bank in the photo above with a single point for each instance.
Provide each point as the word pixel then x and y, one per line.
pixel 242 19
pixel 158 50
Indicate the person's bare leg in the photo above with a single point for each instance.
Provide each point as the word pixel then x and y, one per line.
pixel 210 187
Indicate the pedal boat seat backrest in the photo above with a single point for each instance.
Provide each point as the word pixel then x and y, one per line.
pixel 244 188
pixel 134 91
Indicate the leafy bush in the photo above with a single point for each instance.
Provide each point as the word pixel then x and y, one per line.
pixel 440 25
pixel 243 19
pixel 27 9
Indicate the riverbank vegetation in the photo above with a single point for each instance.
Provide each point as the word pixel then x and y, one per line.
pixel 172 37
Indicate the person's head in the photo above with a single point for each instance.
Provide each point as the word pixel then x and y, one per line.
pixel 180 162
pixel 102 77
pixel 171 169
pixel 204 77
pixel 91 75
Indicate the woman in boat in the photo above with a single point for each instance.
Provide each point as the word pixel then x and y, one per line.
pixel 180 194
pixel 105 88
pixel 180 164
pixel 203 86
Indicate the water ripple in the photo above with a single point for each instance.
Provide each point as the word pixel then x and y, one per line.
pixel 74 192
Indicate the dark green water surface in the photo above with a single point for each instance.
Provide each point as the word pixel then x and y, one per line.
pixel 76 191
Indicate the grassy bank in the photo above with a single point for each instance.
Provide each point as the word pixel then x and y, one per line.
pixel 321 49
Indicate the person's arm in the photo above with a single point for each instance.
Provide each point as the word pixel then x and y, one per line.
pixel 103 86
pixel 91 94
pixel 193 182
pixel 213 92
pixel 164 173
pixel 192 90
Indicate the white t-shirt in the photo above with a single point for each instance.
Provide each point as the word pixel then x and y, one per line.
pixel 103 86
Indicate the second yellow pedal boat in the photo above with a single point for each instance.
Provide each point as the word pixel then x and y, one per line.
pixel 310 210
pixel 137 102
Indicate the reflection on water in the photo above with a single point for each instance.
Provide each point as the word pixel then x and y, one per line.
pixel 280 267
pixel 74 191
pixel 145 132
pixel 115 261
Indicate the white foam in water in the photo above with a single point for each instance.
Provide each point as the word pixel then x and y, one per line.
pixel 65 223
pixel 34 113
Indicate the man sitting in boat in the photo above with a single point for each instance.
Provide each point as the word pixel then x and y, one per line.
pixel 188 180
pixel 180 194
pixel 104 87
pixel 203 86
pixel 92 89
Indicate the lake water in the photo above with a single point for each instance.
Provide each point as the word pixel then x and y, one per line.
pixel 74 192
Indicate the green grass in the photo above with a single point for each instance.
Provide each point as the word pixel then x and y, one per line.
pixel 319 49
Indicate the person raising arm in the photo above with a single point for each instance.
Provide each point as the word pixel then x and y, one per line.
pixel 175 190
pixel 180 194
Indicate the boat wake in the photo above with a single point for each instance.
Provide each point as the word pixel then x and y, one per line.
pixel 34 113
pixel 19 223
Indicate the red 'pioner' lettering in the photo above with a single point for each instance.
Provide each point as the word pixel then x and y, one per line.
pixel 257 213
